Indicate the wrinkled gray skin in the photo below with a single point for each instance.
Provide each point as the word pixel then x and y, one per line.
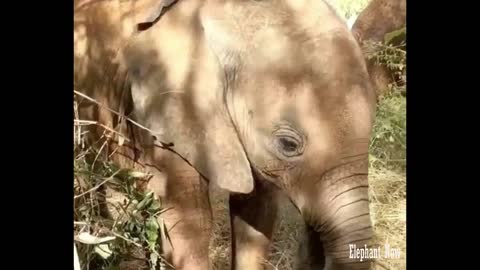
pixel 256 97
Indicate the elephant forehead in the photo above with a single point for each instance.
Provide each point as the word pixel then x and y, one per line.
pixel 301 55
pixel 249 24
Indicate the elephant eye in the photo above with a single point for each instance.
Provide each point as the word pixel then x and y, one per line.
pixel 288 143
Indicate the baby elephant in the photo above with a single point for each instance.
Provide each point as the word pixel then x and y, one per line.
pixel 255 97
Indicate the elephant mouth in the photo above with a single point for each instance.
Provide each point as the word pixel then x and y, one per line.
pixel 311 252
pixel 275 173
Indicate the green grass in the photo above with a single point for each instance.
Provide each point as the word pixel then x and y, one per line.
pixel 388 144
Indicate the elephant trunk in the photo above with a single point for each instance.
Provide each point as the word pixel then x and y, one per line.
pixel 339 219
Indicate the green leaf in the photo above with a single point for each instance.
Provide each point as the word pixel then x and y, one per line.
pixel 164 232
pixel 103 250
pixel 155 206
pixel 396 33
pixel 152 229
pixel 146 201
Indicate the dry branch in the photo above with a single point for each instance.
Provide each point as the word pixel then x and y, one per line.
pixel 162 144
pixel 97 186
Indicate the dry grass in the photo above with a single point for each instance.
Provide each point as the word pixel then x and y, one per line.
pixel 388 205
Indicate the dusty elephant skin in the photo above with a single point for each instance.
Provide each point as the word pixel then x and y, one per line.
pixel 377 19
pixel 256 97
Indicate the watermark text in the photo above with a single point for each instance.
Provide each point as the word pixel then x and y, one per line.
pixel 365 252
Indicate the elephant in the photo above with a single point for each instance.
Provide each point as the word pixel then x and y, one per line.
pixel 257 98
pixel 373 23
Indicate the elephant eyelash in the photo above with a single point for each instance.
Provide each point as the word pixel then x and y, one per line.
pixel 288 142
pixel 289 147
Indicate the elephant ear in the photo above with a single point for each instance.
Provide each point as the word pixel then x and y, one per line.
pixel 153 13
pixel 178 92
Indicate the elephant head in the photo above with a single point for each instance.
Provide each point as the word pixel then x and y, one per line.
pixel 275 90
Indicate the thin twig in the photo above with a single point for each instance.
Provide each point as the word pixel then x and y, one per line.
pixel 119 217
pixel 164 210
pixel 126 239
pixel 267 262
pixel 80 223
pixel 162 259
pixel 79 131
pixel 119 114
pixel 98 154
pixel 86 122
pixel 97 186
